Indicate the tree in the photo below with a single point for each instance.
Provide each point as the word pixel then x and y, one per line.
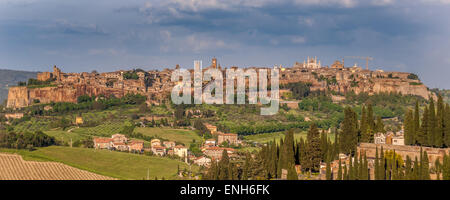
pixel 409 128
pixel 328 171
pixel 431 123
pixel 339 170
pixel 422 135
pixel 377 165
pixel 440 123
pixel 425 167
pixel 447 126
pixel 379 126
pixel 312 162
pixel 416 124
pixel 348 137
pixel 364 127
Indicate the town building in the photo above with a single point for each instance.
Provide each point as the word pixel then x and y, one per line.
pixel 119 138
pixel 210 142
pixel 202 161
pixel 180 151
pixel 169 144
pixel 155 142
pixel 159 150
pixel 215 153
pixel 230 138
pixel 103 143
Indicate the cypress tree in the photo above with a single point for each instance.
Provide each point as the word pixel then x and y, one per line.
pixel 224 167
pixel 446 168
pixel 364 126
pixel 356 166
pixel 408 170
pixel 377 165
pixel 409 128
pixel 425 167
pixel 431 123
pixel 370 117
pixel 328 170
pixel 416 122
pixel 348 137
pixel 245 171
pixel 437 165
pixel 365 169
pixel 447 126
pixel 339 170
pixel 422 136
pixel 273 161
pixel 382 165
pixel 379 126
pixel 416 170
pixel 313 149
pixel 345 172
pixel 438 137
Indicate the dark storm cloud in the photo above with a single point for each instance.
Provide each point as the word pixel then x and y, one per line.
pixel 110 34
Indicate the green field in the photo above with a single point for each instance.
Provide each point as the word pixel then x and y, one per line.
pixel 177 135
pixel 268 137
pixel 119 165
pixel 65 136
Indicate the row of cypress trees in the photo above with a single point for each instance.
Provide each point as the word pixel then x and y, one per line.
pixel 433 129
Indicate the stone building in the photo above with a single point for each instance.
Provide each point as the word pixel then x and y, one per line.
pixel 230 138
pixel 403 150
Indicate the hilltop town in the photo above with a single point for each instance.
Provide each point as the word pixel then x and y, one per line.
pixel 350 112
pixel 58 86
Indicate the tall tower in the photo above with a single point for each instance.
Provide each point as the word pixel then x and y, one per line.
pixel 214 63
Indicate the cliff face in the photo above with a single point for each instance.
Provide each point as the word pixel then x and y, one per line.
pixel 404 88
pixel 19 97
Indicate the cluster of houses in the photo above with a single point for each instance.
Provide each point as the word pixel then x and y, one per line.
pixel 390 138
pixel 118 142
pixel 211 147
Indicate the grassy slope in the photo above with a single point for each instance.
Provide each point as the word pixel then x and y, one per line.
pixel 267 137
pixel 178 135
pixel 109 163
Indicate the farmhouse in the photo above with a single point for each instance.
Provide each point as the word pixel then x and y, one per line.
pixel 203 161
pixel 169 144
pixel 180 151
pixel 102 143
pixel 155 142
pixel 159 150
pixel 137 146
pixel 231 138
pixel 215 153
pixel 119 138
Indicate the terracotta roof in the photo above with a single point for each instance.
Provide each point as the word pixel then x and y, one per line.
pixel 119 143
pixel 180 146
pixel 102 140
pixel 136 142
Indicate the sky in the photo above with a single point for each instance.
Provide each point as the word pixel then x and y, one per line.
pixel 107 35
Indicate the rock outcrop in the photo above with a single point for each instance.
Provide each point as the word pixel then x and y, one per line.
pixel 156 85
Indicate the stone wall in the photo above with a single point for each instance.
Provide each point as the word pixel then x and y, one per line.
pixel 403 150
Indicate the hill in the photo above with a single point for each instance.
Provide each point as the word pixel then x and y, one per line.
pixel 114 164
pixel 11 77
pixel 13 167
